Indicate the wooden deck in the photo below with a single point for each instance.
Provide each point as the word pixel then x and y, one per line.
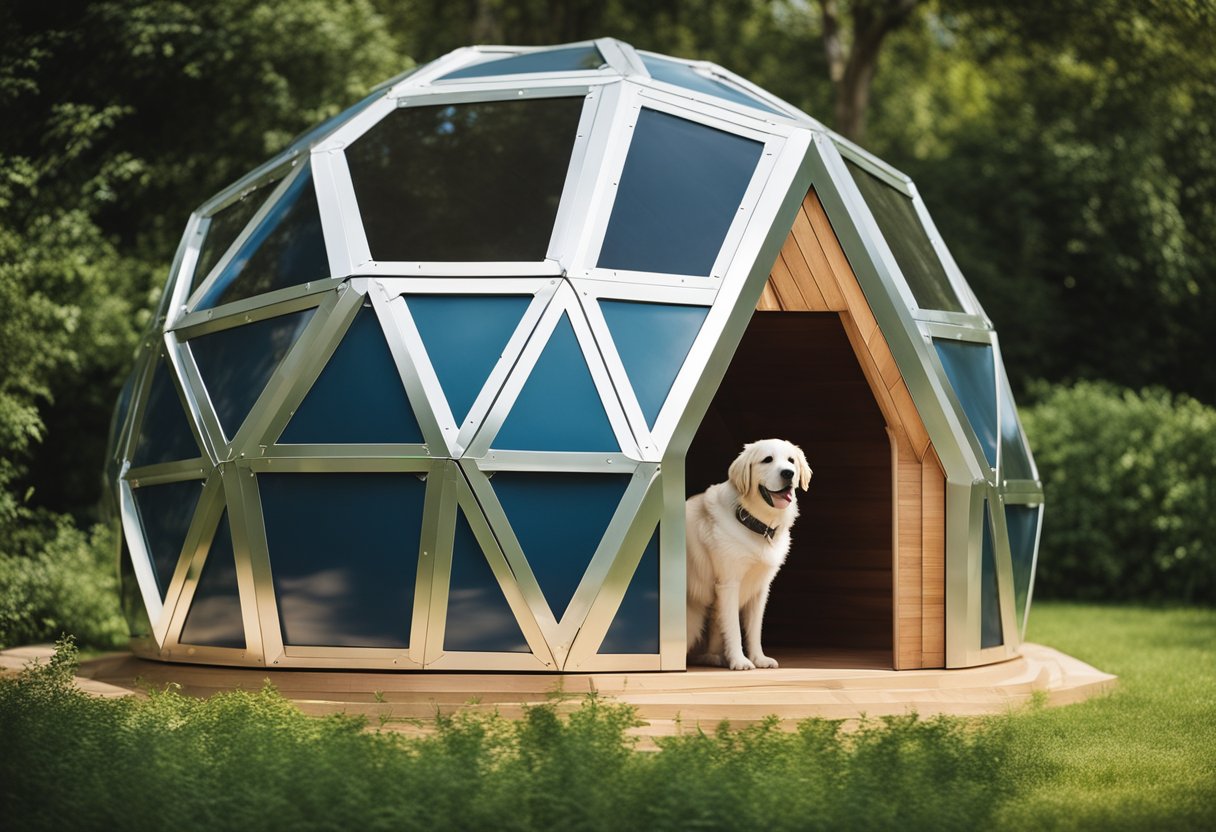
pixel 834 685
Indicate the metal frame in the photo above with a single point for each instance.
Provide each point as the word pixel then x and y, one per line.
pixel 457 460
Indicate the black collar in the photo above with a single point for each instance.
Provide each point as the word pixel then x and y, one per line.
pixel 742 515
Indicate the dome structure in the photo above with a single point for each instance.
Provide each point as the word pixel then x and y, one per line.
pixel 422 390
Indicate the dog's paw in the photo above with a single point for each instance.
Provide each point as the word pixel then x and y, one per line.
pixel 740 663
pixel 764 661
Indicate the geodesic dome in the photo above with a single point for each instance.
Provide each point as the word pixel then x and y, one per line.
pixel 421 388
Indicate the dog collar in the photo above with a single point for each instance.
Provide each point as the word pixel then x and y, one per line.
pixel 742 515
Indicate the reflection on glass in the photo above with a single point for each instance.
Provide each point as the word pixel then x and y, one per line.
pixel 678 195
pixel 358 398
pixel 1023 523
pixel 908 241
pixel 477 181
pixel 558 519
pixel 972 374
pixel 683 75
pixel 236 363
pixel 571 59
pixel 344 555
pixel 287 248
pixel 226 225
pixel 992 632
pixel 479 617
pixel 215 618
pixel 635 629
pixel 1015 461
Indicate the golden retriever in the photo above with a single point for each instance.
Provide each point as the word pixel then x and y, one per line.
pixel 738 537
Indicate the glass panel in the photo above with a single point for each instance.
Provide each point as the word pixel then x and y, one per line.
pixel 315 134
pixel 358 398
pixel 683 75
pixel 653 339
pixel 570 59
pixel 227 224
pixel 122 406
pixel 972 375
pixel 132 601
pixel 1023 523
pixel 164 434
pixel 479 617
pixel 215 619
pixel 344 555
pixel 474 181
pixel 165 511
pixel 558 520
pixel 286 248
pixel 991 631
pixel 236 363
pixel 559 407
pixel 679 193
pixel 465 335
pixel 908 241
pixel 1015 461
pixel 636 626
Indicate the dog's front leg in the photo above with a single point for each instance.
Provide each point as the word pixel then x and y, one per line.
pixel 726 610
pixel 753 615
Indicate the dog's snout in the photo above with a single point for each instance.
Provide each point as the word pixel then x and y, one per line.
pixel 787 474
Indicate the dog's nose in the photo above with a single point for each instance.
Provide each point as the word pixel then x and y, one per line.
pixel 787 474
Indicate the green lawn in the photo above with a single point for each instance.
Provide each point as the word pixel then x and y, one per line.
pixel 1143 757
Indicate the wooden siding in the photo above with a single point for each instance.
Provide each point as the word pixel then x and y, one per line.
pixel 812 274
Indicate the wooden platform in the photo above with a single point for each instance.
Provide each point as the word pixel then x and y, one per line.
pixel 833 685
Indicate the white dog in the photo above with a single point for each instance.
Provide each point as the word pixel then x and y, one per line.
pixel 738 537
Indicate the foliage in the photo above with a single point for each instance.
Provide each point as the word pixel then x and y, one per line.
pixel 1131 484
pixel 252 761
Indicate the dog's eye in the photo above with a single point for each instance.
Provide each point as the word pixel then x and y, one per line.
pixel 768 459
pixel 791 459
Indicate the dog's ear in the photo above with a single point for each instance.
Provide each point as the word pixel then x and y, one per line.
pixel 740 471
pixel 804 470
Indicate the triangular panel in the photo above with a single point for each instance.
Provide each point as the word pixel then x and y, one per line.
pixel 652 339
pixel 1023 525
pixel 236 363
pixel 635 629
pixel 215 617
pixel 991 631
pixel 464 336
pixel 558 519
pixel 358 398
pixel 972 374
pixel 226 225
pixel 683 75
pixel 569 59
pixel 164 433
pixel 559 407
pixel 286 248
pixel 165 512
pixel 479 617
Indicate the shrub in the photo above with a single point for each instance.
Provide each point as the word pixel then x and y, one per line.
pixel 1131 494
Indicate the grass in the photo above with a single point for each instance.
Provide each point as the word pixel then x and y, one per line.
pixel 1141 758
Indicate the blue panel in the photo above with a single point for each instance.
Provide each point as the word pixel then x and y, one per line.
pixel 636 626
pixel 215 619
pixel 992 631
pixel 344 555
pixel 683 75
pixel 236 363
pixel 653 339
pixel 1015 462
pixel 479 617
pixel 679 192
pixel 465 335
pixel 165 511
pixel 1023 523
pixel 559 408
pixel 559 520
pixel 286 248
pixel 973 377
pixel 226 225
pixel 358 398
pixel 572 58
pixel 164 434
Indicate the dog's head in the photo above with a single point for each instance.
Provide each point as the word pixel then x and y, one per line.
pixel 770 469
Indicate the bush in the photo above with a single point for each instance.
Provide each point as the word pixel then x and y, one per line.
pixel 55 578
pixel 1131 494
pixel 253 761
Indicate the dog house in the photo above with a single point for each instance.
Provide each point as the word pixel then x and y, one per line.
pixel 428 390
